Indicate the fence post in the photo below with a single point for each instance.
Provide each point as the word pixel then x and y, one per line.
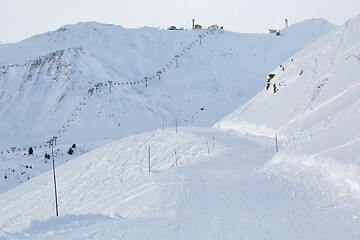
pixel 207 144
pixel 176 163
pixel 213 138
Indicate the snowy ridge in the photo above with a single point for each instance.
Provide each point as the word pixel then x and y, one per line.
pixel 312 104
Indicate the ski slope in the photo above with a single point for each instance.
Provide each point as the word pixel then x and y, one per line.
pixel 225 182
pixel 57 84
pixel 109 193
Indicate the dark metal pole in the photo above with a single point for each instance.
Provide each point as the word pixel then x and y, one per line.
pixel 53 163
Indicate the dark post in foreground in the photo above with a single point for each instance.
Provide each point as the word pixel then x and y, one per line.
pixel 51 143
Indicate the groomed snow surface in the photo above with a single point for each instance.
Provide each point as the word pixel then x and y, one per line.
pixel 227 194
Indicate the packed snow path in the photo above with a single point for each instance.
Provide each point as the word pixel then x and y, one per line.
pixel 232 194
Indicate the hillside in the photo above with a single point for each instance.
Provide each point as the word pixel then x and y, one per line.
pixel 90 83
pixel 57 83
pixel 206 189
pixel 314 109
pixel 225 182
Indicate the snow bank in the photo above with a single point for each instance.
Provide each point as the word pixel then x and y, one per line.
pixel 344 176
pixel 246 128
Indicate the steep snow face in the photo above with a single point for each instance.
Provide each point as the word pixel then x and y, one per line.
pixel 313 105
pixel 88 81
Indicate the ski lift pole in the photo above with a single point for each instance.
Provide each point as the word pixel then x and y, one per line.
pixel 51 143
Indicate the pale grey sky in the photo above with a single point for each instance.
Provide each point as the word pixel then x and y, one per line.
pixel 20 19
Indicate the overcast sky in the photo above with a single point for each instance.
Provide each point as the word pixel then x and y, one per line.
pixel 20 19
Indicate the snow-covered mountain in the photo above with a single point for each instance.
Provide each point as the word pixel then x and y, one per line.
pixel 58 83
pixel 312 103
pixel 92 82
pixel 220 183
